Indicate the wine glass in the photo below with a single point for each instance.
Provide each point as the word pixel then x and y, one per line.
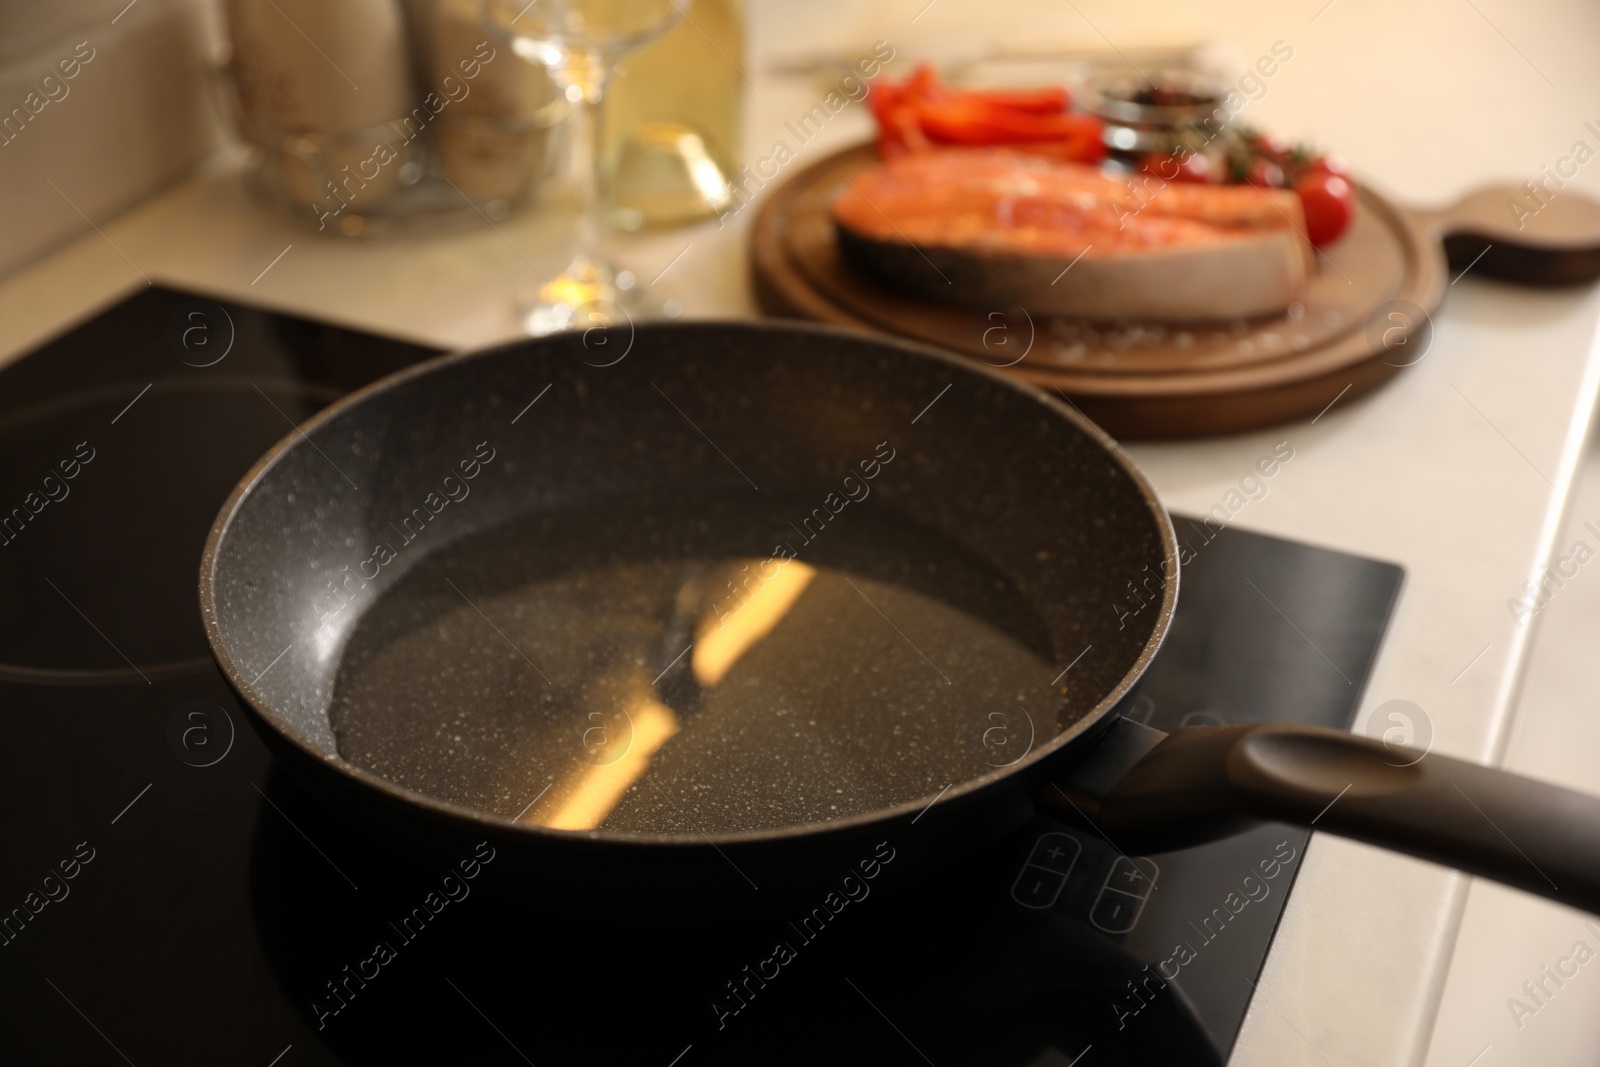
pixel 579 42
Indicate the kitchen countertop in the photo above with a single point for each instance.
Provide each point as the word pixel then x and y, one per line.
pixel 1459 470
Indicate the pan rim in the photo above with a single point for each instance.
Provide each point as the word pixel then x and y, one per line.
pixel 442 810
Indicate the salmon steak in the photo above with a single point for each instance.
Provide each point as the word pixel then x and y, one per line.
pixel 992 227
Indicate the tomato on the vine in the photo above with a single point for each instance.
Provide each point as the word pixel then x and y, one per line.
pixel 1329 202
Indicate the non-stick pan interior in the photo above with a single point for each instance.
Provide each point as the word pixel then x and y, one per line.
pixel 687 579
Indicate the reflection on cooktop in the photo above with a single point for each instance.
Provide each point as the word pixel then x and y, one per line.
pixel 110 483
pixel 965 974
pixel 103 549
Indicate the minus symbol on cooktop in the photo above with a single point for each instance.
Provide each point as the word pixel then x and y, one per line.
pixel 132 402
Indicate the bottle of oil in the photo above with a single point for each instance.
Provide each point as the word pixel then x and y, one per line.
pixel 672 118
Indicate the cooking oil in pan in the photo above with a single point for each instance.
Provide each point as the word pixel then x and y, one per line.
pixel 658 673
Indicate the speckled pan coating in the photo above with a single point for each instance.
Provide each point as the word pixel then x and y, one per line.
pixel 996 466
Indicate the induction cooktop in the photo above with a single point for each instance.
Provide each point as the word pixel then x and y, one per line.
pixel 170 897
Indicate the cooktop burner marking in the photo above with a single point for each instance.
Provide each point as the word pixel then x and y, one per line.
pixel 97 630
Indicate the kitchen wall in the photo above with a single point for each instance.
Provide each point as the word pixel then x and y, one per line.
pixel 132 117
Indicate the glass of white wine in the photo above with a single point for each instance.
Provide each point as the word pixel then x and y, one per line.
pixel 580 42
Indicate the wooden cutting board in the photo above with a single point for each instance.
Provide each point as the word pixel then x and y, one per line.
pixel 1366 315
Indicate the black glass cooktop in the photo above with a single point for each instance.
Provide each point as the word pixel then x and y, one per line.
pixel 169 897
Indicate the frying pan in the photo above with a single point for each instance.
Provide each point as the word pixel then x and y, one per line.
pixel 403 594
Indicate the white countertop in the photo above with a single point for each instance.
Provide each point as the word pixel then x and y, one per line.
pixel 1459 469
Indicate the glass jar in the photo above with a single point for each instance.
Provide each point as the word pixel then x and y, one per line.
pixel 446 129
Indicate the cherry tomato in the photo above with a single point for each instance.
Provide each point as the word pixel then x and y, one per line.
pixel 1265 173
pixel 1329 202
pixel 1333 164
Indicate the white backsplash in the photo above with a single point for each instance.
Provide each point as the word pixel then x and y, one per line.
pixel 135 115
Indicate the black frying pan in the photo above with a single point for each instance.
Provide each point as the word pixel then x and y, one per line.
pixel 703 616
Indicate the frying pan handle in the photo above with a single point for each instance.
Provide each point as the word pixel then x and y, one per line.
pixel 1200 783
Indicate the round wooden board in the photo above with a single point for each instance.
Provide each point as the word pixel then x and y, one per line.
pixel 1370 299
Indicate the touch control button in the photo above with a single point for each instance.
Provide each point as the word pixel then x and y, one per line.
pixel 1056 852
pixel 1037 887
pixel 1116 912
pixel 1128 885
pixel 1044 876
pixel 1130 877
